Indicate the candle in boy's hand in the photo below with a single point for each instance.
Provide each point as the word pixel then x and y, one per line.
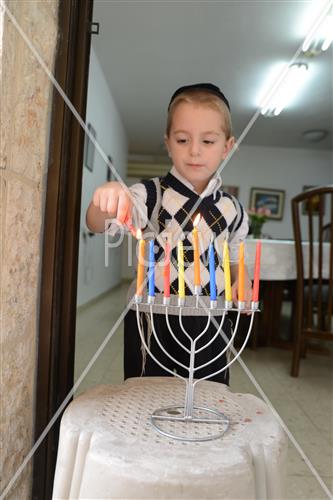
pixel 151 282
pixel 141 263
pixel 167 270
pixel 196 252
pixel 241 272
pixel 181 283
pixel 255 292
pixel 212 271
pixel 227 277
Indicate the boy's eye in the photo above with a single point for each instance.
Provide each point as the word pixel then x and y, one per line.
pixel 184 141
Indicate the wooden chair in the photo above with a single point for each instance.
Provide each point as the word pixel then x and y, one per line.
pixel 312 213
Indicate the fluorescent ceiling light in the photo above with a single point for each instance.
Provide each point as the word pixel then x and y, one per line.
pixel 284 89
pixel 320 36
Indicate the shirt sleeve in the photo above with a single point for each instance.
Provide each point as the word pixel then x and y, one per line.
pixel 239 232
pixel 139 211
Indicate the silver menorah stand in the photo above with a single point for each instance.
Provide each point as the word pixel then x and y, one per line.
pixel 188 413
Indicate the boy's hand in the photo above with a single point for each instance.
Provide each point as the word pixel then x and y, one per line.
pixel 113 199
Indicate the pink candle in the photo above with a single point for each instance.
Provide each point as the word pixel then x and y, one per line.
pixel 167 270
pixel 255 292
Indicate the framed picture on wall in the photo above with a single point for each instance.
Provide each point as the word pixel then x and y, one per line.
pixel 108 169
pixel 273 199
pixel 89 153
pixel 233 190
pixel 315 203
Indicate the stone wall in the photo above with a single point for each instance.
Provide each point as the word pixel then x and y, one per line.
pixel 26 94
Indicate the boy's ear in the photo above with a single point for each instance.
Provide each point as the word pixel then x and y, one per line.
pixel 229 145
pixel 166 144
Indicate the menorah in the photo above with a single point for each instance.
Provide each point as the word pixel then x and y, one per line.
pixel 188 412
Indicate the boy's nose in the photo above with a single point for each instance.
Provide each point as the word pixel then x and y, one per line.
pixel 194 148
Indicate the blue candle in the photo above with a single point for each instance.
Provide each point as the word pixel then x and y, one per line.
pixel 212 271
pixel 151 283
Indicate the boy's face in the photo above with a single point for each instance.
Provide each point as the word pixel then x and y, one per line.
pixel 197 143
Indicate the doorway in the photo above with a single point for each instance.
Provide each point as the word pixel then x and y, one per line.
pixel 60 240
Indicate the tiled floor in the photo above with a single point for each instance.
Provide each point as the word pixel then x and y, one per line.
pixel 304 403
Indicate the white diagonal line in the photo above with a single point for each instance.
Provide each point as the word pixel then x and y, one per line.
pixel 252 121
pixel 97 354
pixel 100 349
pixel 65 401
pixel 78 117
pixel 268 402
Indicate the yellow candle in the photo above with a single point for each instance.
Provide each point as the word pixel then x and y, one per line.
pixel 141 264
pixel 196 251
pixel 241 272
pixel 227 278
pixel 181 283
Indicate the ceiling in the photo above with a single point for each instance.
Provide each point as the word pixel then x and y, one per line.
pixel 147 49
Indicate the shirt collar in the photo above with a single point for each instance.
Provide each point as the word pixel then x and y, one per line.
pixel 213 185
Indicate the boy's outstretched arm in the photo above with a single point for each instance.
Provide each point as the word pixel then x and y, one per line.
pixel 110 200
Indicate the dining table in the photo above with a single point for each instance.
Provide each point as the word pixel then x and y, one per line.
pixel 278 274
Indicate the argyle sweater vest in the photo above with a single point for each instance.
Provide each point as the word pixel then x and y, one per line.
pixel 169 203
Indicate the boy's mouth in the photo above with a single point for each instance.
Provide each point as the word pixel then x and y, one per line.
pixel 195 165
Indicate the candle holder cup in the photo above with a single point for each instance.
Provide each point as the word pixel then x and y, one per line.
pixel 166 420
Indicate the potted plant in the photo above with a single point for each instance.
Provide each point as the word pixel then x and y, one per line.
pixel 258 217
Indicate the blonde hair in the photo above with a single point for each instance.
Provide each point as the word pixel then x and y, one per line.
pixel 204 98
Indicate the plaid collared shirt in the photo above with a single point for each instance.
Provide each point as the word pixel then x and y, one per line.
pixel 169 205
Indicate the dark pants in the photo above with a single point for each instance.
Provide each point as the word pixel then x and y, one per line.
pixel 193 325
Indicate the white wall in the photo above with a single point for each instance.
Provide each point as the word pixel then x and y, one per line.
pixel 277 168
pixel 94 278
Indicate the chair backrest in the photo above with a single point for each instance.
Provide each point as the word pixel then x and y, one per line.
pixel 327 232
pixel 312 213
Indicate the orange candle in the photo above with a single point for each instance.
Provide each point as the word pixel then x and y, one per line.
pixel 255 292
pixel 141 264
pixel 196 251
pixel 167 270
pixel 241 273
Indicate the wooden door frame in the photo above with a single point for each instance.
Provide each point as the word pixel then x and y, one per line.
pixel 58 286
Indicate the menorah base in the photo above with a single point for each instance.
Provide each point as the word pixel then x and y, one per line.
pixel 172 422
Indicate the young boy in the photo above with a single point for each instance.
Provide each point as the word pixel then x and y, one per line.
pixel 198 138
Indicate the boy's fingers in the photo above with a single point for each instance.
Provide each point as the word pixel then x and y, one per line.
pixel 123 207
pixel 128 217
pixel 112 204
pixel 103 202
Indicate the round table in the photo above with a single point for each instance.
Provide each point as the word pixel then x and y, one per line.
pixel 109 449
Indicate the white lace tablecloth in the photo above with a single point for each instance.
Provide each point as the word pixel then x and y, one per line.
pixel 278 259
pixel 108 448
